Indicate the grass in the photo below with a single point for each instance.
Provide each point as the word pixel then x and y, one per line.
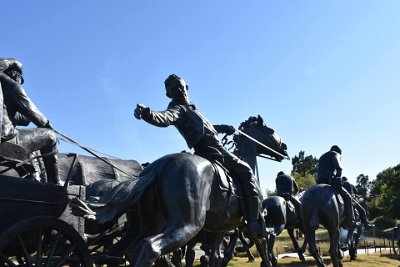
pixel 371 260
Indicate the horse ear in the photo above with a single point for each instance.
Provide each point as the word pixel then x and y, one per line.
pixel 260 120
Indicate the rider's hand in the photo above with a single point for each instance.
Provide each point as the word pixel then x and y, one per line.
pixel 48 126
pixel 140 110
pixel 230 129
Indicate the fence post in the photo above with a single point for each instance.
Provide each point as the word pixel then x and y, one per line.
pixel 365 248
pixel 374 245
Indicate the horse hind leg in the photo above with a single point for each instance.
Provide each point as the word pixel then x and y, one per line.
pixel 296 244
pixel 151 248
pixel 312 246
pixel 334 250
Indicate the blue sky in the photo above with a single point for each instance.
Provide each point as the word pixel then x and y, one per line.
pixel 318 72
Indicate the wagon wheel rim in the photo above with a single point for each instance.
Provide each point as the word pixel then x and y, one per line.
pixel 43 241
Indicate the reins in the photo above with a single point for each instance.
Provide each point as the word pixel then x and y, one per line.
pixel 93 152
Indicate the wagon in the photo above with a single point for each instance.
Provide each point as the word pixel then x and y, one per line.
pixel 36 224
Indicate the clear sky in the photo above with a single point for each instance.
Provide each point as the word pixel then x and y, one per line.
pixel 318 72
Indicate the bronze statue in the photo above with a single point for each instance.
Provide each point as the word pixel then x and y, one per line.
pixel 18 109
pixel 323 204
pixel 286 187
pixel 200 135
pixel 361 211
pixel 178 195
pixel 330 172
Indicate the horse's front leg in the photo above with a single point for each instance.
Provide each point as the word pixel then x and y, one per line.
pixel 213 243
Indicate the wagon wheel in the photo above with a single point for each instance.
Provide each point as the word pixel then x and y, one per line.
pixel 43 241
pixel 395 244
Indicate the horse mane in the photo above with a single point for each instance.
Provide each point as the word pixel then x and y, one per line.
pixel 248 122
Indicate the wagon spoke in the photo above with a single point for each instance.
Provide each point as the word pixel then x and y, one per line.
pixel 39 249
pixel 26 255
pixel 53 248
pixel 64 257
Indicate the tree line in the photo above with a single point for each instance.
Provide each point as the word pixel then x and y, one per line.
pixel 382 194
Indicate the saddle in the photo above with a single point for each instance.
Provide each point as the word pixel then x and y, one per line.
pixel 225 180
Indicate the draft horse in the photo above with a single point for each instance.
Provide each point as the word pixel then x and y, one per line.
pixel 178 195
pixel 321 205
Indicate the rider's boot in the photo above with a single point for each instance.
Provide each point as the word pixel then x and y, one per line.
pixel 254 227
pixel 51 166
pixel 363 218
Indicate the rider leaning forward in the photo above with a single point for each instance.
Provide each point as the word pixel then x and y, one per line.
pixel 18 109
pixel 330 172
pixel 201 135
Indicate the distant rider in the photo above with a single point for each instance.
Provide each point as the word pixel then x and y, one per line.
pixel 286 187
pixel 200 135
pixel 330 172
pixel 18 109
pixel 361 211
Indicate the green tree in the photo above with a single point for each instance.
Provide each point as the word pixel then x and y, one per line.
pixel 304 181
pixel 384 193
pixel 304 169
pixel 303 164
pixel 363 185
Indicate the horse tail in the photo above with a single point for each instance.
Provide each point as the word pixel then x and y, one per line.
pixel 121 197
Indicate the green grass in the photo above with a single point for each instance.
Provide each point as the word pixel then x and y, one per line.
pixel 371 260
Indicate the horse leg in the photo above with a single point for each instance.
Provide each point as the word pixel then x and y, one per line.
pixel 334 250
pixel 176 258
pixel 228 251
pixel 246 246
pixel 150 248
pixel 270 247
pixel 190 253
pixel 262 248
pixel 296 244
pixel 215 244
pixel 312 245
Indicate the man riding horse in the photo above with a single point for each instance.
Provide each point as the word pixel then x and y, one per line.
pixel 361 211
pixel 330 172
pixel 286 187
pixel 201 135
pixel 18 109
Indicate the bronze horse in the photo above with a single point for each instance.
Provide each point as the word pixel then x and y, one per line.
pixel 321 205
pixel 280 217
pixel 178 195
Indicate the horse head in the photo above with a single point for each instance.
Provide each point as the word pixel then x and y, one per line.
pixel 263 140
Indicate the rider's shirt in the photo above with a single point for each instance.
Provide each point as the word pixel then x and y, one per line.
pixel 16 103
pixel 192 125
pixel 285 184
pixel 328 167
